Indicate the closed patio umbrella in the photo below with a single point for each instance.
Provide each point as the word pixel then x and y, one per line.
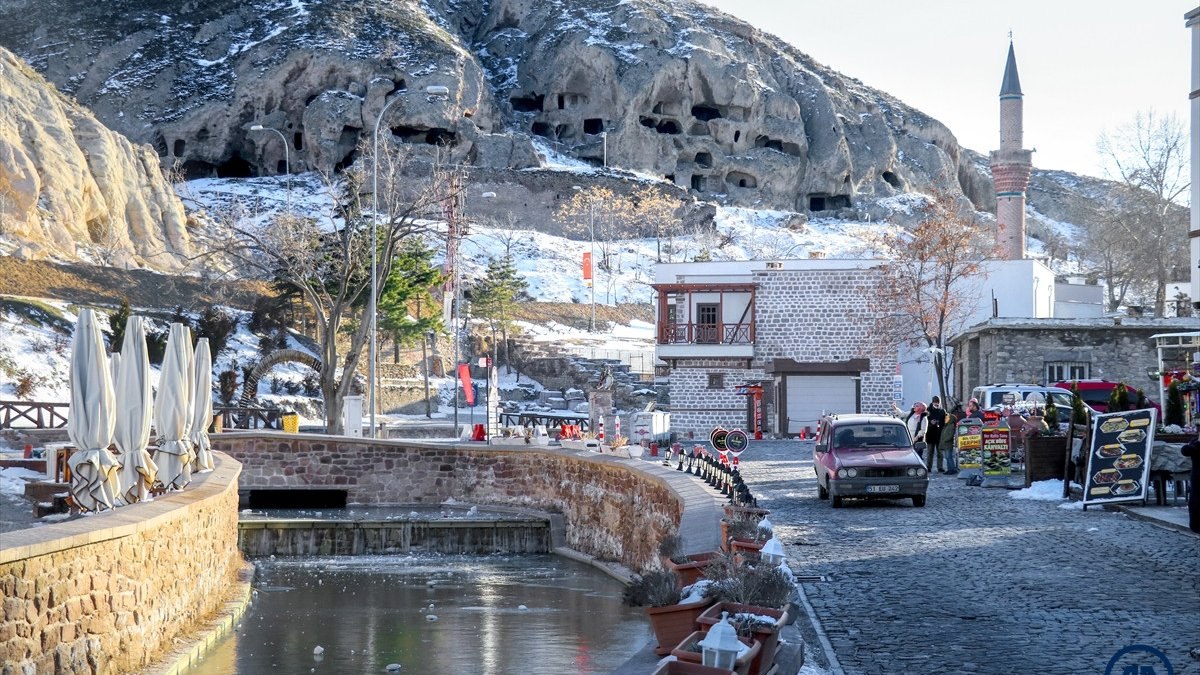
pixel 173 410
pixel 202 402
pixel 136 397
pixel 91 418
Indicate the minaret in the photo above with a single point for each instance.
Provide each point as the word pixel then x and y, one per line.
pixel 1011 166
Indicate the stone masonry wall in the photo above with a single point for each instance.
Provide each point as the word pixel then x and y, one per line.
pixel 1117 353
pixel 612 511
pixel 697 409
pixel 111 593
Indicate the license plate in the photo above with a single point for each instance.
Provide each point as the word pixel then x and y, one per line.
pixel 883 488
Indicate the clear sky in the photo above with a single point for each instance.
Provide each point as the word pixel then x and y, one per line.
pixel 1086 66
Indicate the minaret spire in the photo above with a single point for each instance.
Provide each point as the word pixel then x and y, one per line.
pixel 1011 165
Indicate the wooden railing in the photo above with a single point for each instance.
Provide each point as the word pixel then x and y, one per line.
pixel 246 417
pixel 25 414
pixel 706 334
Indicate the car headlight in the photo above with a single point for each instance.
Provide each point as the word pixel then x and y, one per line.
pixel 841 473
pixel 921 471
pixel 851 472
pixel 912 470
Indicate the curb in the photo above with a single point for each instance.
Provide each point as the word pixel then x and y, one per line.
pixel 1165 524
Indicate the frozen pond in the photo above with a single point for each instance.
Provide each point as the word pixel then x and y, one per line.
pixel 367 612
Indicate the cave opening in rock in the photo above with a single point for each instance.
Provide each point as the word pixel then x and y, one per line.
pixel 669 177
pixel 593 125
pixel 180 145
pixel 234 167
pixel 704 159
pixel 439 136
pixel 892 179
pixel 666 108
pixel 668 127
pixel 699 183
pixel 741 179
pixel 203 134
pixel 540 129
pixel 823 202
pixel 160 145
pixel 298 140
pixel 705 113
pixel 769 143
pixel 737 136
pixel 400 85
pixel 531 103
pixel 281 167
pixel 561 131
pixel 648 122
pixel 346 161
pixel 194 168
pixel 698 129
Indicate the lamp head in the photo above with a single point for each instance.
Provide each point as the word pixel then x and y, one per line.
pixel 256 127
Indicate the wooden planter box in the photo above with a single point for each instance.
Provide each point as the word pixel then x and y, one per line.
pixel 686 650
pixel 1175 438
pixel 1045 458
pixel 674 622
pixel 769 637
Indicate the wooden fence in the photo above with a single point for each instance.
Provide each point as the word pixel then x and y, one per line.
pixel 33 415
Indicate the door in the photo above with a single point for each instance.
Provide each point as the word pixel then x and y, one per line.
pixel 706 323
pixel 809 397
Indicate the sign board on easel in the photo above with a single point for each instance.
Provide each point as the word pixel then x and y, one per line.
pixel 1118 460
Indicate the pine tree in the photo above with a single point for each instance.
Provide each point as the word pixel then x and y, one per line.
pixel 496 295
pixel 407 308
pixel 1174 405
pixel 1078 411
pixel 1118 400
pixel 216 325
pixel 116 325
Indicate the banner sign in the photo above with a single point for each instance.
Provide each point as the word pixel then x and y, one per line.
pixel 587 268
pixel 897 388
pixel 1119 457
pixel 969 444
pixel 996 455
pixel 464 376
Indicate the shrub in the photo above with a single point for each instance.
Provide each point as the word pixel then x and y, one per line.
pixel 671 548
pixel 116 325
pixel 312 387
pixel 25 385
pixel 216 325
pixel 292 387
pixel 1118 399
pixel 1174 413
pixel 659 588
pixel 738 581
pixel 227 383
pixel 1079 414
pixel 1051 414
pixel 276 385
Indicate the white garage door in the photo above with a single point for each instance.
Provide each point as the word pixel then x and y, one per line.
pixel 810 396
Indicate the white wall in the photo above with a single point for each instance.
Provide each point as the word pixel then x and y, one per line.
pixel 1193 21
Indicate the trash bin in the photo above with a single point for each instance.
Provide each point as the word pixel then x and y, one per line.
pixel 291 423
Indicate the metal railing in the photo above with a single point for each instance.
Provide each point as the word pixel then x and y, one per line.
pixel 640 362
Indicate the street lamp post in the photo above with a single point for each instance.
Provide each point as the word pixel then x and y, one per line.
pixel 434 90
pixel 592 237
pixel 287 161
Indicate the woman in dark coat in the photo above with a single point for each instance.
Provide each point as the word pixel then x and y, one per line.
pixel 1192 450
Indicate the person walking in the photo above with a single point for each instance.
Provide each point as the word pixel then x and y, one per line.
pixel 1193 450
pixel 949 436
pixel 917 421
pixel 936 423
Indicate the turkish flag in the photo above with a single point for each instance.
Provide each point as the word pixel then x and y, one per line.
pixel 464 376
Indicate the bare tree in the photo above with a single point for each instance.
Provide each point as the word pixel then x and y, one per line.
pixel 326 258
pixel 1149 156
pixel 922 297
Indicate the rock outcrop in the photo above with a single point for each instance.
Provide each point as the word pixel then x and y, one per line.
pixel 671 89
pixel 71 188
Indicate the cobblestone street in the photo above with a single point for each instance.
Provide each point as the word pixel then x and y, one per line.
pixel 979 582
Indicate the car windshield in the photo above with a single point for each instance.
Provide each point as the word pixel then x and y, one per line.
pixel 871 436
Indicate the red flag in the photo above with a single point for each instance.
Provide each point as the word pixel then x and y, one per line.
pixel 587 266
pixel 464 376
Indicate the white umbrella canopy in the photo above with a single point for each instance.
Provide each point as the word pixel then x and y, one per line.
pixel 136 396
pixel 202 402
pixel 114 367
pixel 173 412
pixel 91 418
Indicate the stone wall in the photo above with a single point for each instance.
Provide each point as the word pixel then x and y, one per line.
pixel 112 592
pixel 612 511
pixel 995 352
pixel 697 408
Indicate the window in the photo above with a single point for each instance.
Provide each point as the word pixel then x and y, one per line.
pixel 1061 371
pixel 716 380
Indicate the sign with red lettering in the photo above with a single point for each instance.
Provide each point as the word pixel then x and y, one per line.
pixel 464 376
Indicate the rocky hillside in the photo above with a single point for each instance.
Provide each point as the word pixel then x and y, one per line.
pixel 673 90
pixel 72 188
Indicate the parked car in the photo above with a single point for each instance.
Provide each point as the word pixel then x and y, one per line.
pixel 868 456
pixel 1022 398
pixel 1095 394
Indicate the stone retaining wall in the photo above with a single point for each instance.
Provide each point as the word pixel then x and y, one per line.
pixel 611 510
pixel 110 593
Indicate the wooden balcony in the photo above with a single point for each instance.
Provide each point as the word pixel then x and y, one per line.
pixel 694 320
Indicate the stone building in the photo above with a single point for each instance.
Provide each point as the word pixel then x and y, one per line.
pixel 800 328
pixel 1044 351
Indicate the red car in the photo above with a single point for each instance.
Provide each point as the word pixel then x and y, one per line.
pixel 868 457
pixel 1095 394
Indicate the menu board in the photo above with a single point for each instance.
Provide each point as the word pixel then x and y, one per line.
pixel 996 454
pixel 1119 457
pixel 969 444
